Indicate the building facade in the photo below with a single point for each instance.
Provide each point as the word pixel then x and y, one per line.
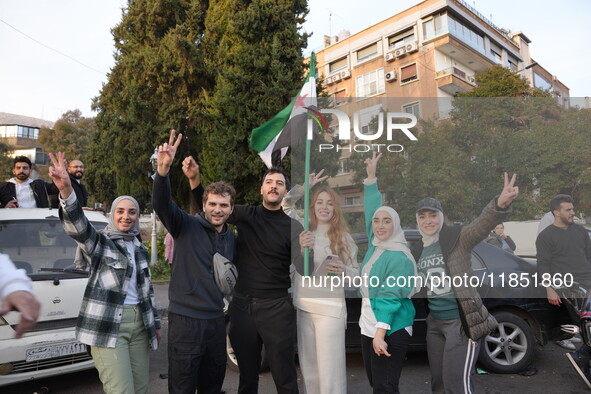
pixel 419 59
pixel 22 134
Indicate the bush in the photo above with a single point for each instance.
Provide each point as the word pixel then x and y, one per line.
pixel 160 270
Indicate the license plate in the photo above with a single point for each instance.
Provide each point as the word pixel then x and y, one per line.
pixel 53 351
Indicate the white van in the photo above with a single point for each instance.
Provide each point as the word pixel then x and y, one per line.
pixel 36 242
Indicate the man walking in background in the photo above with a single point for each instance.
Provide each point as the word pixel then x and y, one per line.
pixel 564 248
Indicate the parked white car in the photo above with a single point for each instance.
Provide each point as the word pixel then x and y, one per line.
pixel 36 242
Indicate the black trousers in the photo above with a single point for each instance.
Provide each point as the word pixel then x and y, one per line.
pixel 254 322
pixel 384 372
pixel 196 354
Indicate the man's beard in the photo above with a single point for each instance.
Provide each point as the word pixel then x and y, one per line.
pixel 22 176
pixel 272 203
pixel 78 175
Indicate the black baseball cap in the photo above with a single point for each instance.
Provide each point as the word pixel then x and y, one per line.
pixel 429 204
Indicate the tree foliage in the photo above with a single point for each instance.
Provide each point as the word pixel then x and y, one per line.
pixel 254 49
pixel 504 125
pixel 212 70
pixel 71 134
pixel 6 163
pixel 155 85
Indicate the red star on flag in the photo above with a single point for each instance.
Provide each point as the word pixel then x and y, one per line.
pixel 300 101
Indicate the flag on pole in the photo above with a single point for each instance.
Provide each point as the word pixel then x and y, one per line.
pixel 273 138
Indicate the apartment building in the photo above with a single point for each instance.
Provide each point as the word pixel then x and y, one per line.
pixel 417 61
pixel 22 134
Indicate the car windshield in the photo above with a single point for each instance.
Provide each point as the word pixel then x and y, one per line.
pixel 38 245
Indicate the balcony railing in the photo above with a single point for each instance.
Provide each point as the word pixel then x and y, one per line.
pixel 458 73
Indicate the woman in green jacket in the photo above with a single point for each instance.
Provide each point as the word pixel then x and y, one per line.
pixel 388 281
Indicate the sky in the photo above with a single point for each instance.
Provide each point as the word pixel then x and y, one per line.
pixel 56 54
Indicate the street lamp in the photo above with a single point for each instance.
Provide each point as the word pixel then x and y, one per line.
pixel 526 67
pixel 154 251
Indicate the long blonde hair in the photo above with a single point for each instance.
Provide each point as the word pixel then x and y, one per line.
pixel 338 232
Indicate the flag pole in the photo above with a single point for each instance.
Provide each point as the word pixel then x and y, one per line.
pixel 307 194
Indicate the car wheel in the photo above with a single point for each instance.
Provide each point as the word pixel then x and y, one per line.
pixel 510 348
pixel 231 356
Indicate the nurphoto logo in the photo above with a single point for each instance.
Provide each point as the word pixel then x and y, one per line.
pixel 395 121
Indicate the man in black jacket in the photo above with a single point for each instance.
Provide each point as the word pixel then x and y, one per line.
pixel 196 323
pixel 563 252
pixel 76 171
pixel 23 192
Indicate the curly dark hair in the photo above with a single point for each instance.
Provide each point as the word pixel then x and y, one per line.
pixel 220 188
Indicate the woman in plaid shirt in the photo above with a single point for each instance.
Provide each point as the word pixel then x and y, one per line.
pixel 118 316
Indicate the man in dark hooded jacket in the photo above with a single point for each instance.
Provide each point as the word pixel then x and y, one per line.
pixel 196 323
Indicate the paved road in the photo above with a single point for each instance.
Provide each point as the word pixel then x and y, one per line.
pixel 554 374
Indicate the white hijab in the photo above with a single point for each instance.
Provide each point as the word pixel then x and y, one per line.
pixel 396 242
pixel 431 239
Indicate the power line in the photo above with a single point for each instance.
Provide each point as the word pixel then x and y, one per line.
pixel 50 48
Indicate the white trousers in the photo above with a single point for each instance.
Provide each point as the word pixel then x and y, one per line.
pixel 321 351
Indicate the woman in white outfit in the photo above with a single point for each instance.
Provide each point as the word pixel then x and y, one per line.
pixel 322 313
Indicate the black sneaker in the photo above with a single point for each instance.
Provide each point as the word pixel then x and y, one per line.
pixel 581 365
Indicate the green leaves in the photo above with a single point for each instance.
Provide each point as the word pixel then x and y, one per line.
pixel 155 85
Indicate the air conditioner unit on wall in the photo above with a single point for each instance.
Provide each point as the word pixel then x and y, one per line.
pixel 390 57
pixel 391 76
pixel 329 80
pixel 412 47
pixel 345 74
pixel 400 52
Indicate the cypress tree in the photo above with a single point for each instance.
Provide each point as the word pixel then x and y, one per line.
pixel 254 49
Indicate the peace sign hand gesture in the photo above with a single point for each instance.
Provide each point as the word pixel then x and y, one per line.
pixel 371 165
pixel 317 178
pixel 509 192
pixel 59 175
pixel 166 153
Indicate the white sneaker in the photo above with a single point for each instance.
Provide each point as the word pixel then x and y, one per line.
pixel 566 344
pixel 576 340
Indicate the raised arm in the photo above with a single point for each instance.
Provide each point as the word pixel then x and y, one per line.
pixel 59 175
pixel 167 152
pixel 494 213
pixel 72 216
pixel 372 199
pixel 191 171
pixel 168 212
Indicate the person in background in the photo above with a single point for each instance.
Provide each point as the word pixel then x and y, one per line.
pixel 564 248
pixel 168 248
pixel 76 172
pixel 23 192
pixel 118 317
pixel 545 221
pixel 499 239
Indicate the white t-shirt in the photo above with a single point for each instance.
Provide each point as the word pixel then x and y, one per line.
pixel 131 298
pixel 24 194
